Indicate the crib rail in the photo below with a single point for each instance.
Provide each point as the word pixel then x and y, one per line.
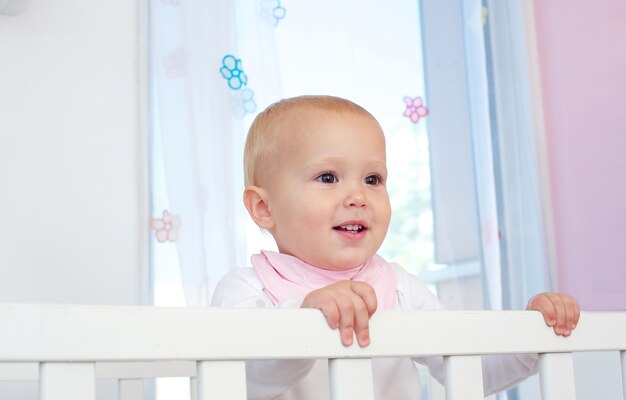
pixel 68 342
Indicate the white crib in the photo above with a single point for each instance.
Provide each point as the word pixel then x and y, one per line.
pixel 68 346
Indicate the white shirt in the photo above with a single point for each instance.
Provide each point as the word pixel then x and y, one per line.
pixel 394 378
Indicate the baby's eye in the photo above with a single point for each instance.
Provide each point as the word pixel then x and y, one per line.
pixel 327 177
pixel 373 180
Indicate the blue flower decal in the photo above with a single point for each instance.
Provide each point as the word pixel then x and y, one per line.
pixel 243 100
pixel 249 105
pixel 273 11
pixel 278 12
pixel 243 103
pixel 232 72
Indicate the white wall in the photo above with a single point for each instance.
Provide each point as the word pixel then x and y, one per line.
pixel 72 197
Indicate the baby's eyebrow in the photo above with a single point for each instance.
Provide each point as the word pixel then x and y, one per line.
pixel 331 160
pixel 380 167
pixel 341 160
pixel 337 162
pixel 327 163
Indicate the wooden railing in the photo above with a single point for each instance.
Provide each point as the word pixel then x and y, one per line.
pixel 66 347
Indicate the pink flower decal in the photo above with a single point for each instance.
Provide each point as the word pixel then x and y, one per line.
pixel 166 228
pixel 175 64
pixel 490 230
pixel 415 109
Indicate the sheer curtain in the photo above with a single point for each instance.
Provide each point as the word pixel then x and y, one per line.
pixel 215 64
pixel 203 89
pixel 525 253
pixel 522 207
pixel 487 201
pixel 449 82
pixel 468 147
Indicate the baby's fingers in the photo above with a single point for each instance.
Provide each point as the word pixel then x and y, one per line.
pixel 543 304
pixel 347 313
pixel 331 313
pixel 567 313
pixel 361 322
pixel 560 311
pixel 367 294
pixel 346 305
pixel 364 305
pixel 572 313
pixel 561 314
pixel 320 300
pixel 354 319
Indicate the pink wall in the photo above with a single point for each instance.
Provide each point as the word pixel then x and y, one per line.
pixel 582 55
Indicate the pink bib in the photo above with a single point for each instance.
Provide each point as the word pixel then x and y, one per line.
pixel 284 276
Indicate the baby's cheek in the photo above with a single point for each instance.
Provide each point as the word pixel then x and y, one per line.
pixel 385 216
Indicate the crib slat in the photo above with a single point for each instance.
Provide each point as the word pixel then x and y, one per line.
pixel 67 381
pixel 221 380
pixel 556 376
pixel 130 389
pixel 464 378
pixel 436 391
pixel 193 388
pixel 351 378
pixel 623 356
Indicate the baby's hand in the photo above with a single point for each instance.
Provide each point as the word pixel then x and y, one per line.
pixel 347 305
pixel 559 310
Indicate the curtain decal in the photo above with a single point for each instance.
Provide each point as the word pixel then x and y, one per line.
pixel 243 101
pixel 175 64
pixel 166 229
pixel 233 73
pixel 273 11
pixel 205 56
pixel 415 109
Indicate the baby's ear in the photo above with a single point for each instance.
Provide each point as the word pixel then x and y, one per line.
pixel 255 200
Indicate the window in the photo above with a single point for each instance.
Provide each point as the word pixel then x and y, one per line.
pixel 327 47
pixel 428 71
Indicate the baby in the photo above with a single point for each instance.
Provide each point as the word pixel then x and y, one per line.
pixel 315 175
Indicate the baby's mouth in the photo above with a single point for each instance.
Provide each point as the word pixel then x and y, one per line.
pixel 356 228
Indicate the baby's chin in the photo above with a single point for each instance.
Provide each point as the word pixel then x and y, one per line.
pixel 339 264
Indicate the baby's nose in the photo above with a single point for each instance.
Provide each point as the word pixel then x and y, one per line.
pixel 355 198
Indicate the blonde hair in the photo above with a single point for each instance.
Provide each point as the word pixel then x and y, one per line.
pixel 263 134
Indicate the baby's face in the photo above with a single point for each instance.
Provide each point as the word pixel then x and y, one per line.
pixel 328 195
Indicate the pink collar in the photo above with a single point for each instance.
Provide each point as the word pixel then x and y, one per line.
pixel 286 276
